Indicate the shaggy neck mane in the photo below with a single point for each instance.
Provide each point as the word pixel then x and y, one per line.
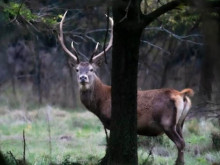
pixel 93 97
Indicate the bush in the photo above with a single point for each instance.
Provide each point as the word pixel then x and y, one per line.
pixel 216 140
pixel 193 126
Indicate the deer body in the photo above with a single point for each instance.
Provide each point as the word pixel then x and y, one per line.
pixel 158 111
pixel 98 101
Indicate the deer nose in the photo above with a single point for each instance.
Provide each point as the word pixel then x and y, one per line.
pixel 83 78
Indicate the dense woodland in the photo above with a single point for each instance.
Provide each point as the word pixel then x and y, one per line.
pixel 172 54
pixel 179 49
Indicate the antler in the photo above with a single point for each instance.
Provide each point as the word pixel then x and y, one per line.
pixel 75 57
pixel 94 52
pixel 95 57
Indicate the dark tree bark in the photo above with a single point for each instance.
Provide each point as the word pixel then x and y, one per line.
pixel 123 138
pixel 128 26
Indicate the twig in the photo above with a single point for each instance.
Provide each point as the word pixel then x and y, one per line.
pixel 150 152
pixel 49 131
pixel 156 46
pixel 80 37
pixel 106 34
pixel 181 38
pixel 126 12
pixel 95 30
pixel 24 146
pixel 18 12
pixel 13 157
pixel 90 38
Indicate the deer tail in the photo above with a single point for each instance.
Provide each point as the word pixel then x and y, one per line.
pixel 187 92
pixel 186 103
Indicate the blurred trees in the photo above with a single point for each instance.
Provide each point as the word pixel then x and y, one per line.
pixel 179 49
pixel 29 38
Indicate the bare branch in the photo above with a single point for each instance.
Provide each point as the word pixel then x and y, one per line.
pixel 18 12
pixel 156 46
pixel 13 157
pixel 90 38
pixel 96 30
pixel 181 38
pixel 48 116
pixel 126 12
pixel 147 19
pixel 24 146
pixel 106 34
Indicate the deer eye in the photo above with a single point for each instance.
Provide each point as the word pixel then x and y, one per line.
pixel 91 70
pixel 77 70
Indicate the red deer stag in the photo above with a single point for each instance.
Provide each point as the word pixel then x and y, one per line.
pixel 159 111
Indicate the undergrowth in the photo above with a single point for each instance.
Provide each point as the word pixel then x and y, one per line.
pixel 77 137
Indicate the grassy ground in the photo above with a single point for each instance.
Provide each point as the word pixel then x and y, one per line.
pixel 59 136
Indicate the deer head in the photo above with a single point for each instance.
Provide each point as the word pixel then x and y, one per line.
pixel 85 70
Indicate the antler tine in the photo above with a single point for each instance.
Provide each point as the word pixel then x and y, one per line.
pixel 95 50
pixel 109 44
pixel 77 55
pixel 75 58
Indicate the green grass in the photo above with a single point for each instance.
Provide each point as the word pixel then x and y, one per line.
pixel 78 136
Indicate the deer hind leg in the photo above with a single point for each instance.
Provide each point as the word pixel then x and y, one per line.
pixel 179 128
pixel 179 142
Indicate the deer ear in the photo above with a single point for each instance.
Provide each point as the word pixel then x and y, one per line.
pixel 72 63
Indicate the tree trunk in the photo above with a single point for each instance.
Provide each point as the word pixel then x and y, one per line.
pixel 123 138
pixel 128 26
pixel 122 148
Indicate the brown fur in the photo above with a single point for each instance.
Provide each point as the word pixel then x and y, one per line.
pixel 187 92
pixel 159 111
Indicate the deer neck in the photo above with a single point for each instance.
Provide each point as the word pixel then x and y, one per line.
pixel 92 98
